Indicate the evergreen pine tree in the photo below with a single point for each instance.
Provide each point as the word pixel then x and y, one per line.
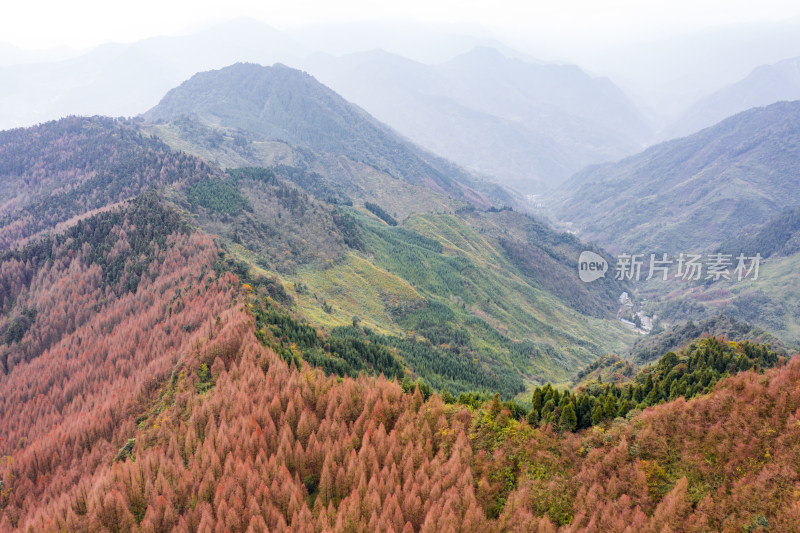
pixel 568 421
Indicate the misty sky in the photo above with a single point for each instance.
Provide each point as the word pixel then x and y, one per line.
pixel 35 24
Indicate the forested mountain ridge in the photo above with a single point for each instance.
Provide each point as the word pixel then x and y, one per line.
pixel 55 171
pixel 693 372
pixel 111 305
pixel 695 193
pixel 652 347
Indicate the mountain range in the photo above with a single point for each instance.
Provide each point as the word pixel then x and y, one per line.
pixel 255 307
pixel 560 119
pixel 524 123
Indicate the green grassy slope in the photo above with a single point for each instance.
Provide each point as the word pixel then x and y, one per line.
pixel 491 288
pixel 441 279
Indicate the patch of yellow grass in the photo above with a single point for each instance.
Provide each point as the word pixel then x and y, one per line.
pixel 353 287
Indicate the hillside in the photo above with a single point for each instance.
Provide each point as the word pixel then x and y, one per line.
pixel 778 237
pixel 94 321
pixel 496 288
pixel 333 177
pixel 765 85
pixel 235 437
pixel 650 348
pixel 282 104
pixel 695 193
pixel 498 295
pixel 770 302
pixel 525 124
pixel 54 172
pixel 493 286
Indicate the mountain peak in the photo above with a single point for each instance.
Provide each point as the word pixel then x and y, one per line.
pixel 274 103
pixel 279 103
pixel 485 51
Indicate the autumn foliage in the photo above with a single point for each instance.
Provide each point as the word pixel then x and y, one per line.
pixel 73 383
pixel 268 447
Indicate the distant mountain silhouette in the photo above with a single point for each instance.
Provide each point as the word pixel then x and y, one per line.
pixel 766 85
pixel 526 124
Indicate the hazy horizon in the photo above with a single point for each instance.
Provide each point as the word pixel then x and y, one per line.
pixel 665 56
pixel 640 47
pixel 87 23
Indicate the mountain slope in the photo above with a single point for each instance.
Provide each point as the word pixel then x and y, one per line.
pixel 766 85
pixel 695 193
pixel 60 170
pixel 496 287
pixel 484 73
pixel 649 349
pixel 505 150
pixel 112 304
pixel 527 125
pixel 279 103
pixel 769 302
pixel 780 236
pixel 257 443
pixel 493 287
